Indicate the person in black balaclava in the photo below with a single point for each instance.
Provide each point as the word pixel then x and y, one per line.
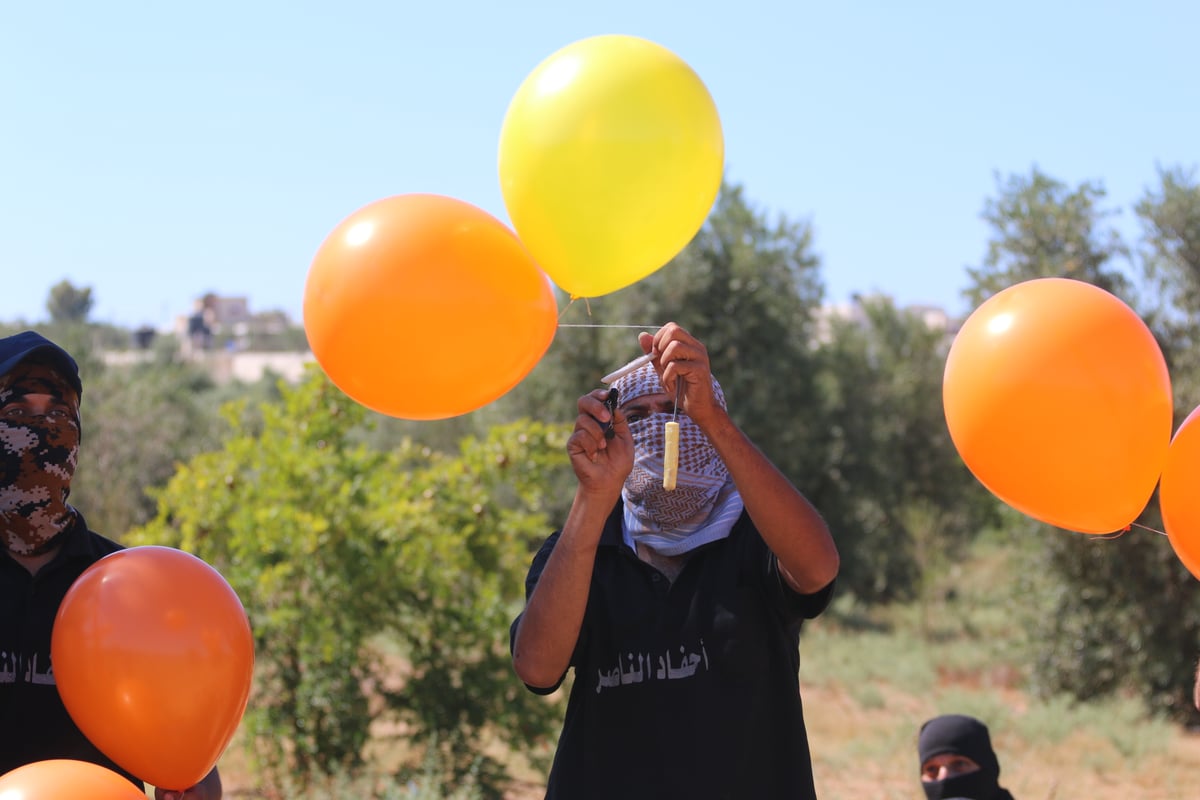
pixel 957 760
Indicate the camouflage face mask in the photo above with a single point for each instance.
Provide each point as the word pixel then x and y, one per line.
pixel 38 456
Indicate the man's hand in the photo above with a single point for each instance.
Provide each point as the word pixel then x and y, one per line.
pixel 601 464
pixel 682 363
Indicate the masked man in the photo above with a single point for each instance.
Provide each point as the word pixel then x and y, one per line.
pixel 957 760
pixel 46 545
pixel 678 609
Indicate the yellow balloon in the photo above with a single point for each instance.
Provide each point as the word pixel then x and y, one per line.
pixel 611 156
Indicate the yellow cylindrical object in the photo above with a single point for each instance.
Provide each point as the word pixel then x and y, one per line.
pixel 671 456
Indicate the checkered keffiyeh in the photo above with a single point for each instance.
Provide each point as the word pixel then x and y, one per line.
pixel 704 504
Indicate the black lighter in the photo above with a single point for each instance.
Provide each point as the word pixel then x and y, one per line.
pixel 610 403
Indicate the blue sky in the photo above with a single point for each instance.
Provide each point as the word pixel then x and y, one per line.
pixel 157 151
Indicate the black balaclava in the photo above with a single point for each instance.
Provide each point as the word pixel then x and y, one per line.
pixel 964 736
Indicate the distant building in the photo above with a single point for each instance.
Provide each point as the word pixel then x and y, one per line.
pixel 213 317
pixel 230 341
pixel 250 367
pixel 226 323
pixel 225 366
pixel 934 317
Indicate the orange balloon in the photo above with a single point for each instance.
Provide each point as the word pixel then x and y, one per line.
pixel 153 657
pixel 421 306
pixel 66 779
pixel 1178 498
pixel 1058 399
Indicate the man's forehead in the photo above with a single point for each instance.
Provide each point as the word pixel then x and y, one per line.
pixel 33 374
pixel 649 400
pixel 639 383
pixel 946 758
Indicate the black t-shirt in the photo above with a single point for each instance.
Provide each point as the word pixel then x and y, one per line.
pixel 689 689
pixel 34 723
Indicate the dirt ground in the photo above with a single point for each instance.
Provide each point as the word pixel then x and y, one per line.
pixel 866 753
pixel 856 754
pixel 1082 767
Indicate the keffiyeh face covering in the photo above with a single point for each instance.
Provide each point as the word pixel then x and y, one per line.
pixel 704 504
pixel 38 455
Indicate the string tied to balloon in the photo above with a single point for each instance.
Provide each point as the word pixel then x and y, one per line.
pixel 1118 534
pixel 588 305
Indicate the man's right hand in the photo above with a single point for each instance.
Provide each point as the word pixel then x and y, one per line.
pixel 601 464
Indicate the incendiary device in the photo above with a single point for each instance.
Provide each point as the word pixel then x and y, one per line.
pixel 671 451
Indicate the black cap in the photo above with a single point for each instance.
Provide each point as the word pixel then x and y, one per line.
pixel 28 345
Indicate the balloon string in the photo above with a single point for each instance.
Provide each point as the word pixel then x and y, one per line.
pixel 588 303
pixel 1126 529
pixel 571 302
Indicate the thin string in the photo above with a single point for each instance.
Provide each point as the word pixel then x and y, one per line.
pixel 588 303
pixel 571 302
pixel 1126 529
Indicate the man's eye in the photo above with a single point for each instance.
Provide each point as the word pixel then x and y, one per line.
pixel 10 411
pixel 634 416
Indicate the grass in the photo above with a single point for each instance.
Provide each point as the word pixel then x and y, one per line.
pixel 870 677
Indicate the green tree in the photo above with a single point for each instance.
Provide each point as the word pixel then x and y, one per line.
pixel 1170 219
pixel 1118 613
pixel 465 525
pixel 1043 229
pixel 894 488
pixel 67 303
pixel 138 423
pixel 379 584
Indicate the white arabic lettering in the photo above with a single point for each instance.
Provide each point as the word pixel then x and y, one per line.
pixel 636 667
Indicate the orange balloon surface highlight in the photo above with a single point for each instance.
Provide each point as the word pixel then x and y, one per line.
pixel 153 657
pixel 66 779
pixel 1179 493
pixel 424 307
pixel 1058 400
